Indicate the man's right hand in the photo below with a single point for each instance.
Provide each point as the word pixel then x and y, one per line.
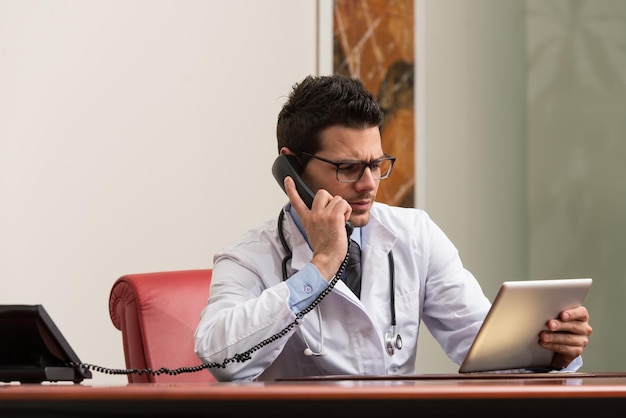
pixel 325 226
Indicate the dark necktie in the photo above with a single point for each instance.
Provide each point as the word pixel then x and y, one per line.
pixel 352 275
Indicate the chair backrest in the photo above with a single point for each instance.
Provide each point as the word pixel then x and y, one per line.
pixel 158 314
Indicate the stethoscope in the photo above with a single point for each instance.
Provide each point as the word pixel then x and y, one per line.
pixel 393 340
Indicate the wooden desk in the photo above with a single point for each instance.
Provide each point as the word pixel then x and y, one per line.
pixel 426 395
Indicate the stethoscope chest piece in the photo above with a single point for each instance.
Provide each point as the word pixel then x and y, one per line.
pixel 393 341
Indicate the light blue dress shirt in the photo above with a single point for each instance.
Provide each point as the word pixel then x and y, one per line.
pixel 308 283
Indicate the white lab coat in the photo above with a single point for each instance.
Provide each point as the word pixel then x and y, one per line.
pixel 248 303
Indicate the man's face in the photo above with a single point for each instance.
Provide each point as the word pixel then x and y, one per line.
pixel 341 144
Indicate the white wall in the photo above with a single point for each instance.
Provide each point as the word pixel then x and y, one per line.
pixel 135 136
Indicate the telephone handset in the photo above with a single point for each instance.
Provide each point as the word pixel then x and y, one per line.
pixel 288 165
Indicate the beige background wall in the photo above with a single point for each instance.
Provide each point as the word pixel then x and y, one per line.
pixel 471 133
pixel 524 136
pixel 138 135
pixel 576 148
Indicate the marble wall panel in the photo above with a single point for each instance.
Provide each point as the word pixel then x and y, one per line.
pixel 374 41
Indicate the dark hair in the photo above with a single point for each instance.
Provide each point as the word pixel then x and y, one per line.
pixel 319 102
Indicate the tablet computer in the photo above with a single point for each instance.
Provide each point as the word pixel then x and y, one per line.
pixel 509 336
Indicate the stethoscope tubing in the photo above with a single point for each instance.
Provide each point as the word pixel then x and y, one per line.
pixel 392 339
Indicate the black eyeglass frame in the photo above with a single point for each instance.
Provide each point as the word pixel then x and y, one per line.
pixel 363 164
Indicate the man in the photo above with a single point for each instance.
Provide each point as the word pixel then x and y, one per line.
pixel 276 308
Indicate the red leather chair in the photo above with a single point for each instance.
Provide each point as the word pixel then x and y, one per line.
pixel 158 314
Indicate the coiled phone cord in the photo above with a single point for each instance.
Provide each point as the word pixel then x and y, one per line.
pixel 237 358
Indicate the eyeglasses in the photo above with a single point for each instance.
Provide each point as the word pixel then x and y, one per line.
pixel 351 171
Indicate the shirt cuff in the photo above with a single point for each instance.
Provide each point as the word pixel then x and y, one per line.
pixel 304 286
